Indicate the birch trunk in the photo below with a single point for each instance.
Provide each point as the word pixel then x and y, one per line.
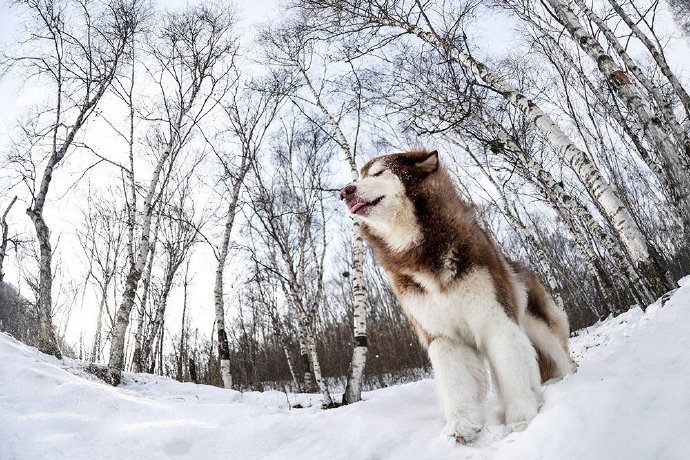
pixel 46 339
pixel 291 365
pixel 218 290
pixel 615 210
pixel 156 328
pixel 353 388
pixel 97 346
pixel 4 227
pixel 676 166
pixel 184 330
pixel 284 342
pixel 555 192
pixel 47 342
pixel 117 348
pixel 306 359
pixel 658 57
pixel 137 357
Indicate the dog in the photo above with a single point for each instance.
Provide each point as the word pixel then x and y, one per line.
pixel 468 302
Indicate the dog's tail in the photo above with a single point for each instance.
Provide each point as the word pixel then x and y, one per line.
pixel 547 327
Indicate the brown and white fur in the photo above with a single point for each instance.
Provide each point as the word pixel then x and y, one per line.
pixel 467 301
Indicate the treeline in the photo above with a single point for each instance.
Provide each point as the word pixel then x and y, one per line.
pixel 574 150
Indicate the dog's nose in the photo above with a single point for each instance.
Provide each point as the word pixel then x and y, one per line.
pixel 348 190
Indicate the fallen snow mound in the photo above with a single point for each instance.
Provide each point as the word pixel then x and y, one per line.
pixel 629 399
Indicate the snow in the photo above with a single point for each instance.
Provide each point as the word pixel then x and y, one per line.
pixel 629 399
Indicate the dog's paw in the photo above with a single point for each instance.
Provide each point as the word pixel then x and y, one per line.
pixel 520 413
pixel 462 430
pixel 517 426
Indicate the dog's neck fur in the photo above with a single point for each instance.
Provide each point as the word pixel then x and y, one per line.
pixel 428 239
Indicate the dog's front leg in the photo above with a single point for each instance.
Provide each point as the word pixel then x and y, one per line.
pixel 516 373
pixel 461 383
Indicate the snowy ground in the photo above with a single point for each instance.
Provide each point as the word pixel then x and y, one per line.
pixel 630 399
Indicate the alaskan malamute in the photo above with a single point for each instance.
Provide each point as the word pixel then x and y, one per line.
pixel 467 301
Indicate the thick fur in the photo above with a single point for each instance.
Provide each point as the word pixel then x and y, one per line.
pixel 467 301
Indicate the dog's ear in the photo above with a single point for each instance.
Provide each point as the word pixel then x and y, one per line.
pixel 429 163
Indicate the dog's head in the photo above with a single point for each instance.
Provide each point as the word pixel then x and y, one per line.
pixel 383 197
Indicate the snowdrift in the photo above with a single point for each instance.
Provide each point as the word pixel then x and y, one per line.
pixel 630 399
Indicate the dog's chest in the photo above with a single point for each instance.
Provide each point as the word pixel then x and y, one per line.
pixel 461 311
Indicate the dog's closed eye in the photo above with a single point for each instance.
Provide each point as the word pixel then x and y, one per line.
pixel 378 173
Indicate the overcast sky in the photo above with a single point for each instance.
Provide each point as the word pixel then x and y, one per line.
pixel 64 211
pixel 494 35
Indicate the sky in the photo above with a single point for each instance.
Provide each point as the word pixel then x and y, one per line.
pixel 64 210
pixel 494 36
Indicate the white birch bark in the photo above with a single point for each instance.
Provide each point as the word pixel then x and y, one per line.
pixel 218 290
pixel 117 348
pixel 658 57
pixel 137 356
pixel 320 381
pixel 96 346
pixel 4 227
pixel 225 372
pixel 557 195
pixel 291 365
pixel 148 355
pixel 308 343
pixel 306 359
pixel 353 388
pixel 676 166
pixel 603 193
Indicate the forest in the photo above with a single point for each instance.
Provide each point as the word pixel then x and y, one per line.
pixel 169 178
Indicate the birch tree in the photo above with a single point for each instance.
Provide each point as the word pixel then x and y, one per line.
pixel 387 20
pixel 654 46
pixel 192 54
pixel 77 48
pixel 290 216
pixel 102 239
pixel 4 238
pixel 250 111
pixel 675 165
pixel 290 48
pixel 143 315
pixel 178 234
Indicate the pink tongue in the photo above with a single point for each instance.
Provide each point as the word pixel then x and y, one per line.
pixel 355 207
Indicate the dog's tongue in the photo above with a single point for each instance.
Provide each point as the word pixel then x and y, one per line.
pixel 355 207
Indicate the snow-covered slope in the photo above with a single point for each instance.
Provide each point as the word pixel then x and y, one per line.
pixel 630 399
